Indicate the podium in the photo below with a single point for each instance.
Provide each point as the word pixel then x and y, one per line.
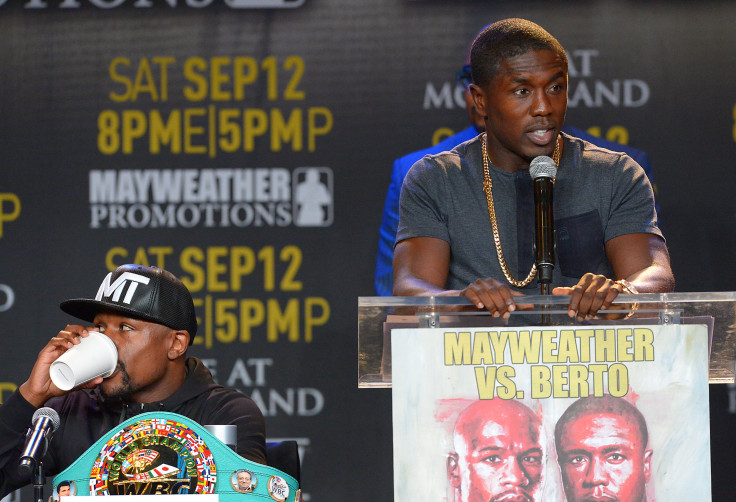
pixel 377 316
pixel 453 360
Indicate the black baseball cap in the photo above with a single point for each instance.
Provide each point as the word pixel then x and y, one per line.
pixel 147 293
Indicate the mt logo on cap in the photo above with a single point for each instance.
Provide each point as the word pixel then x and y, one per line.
pixel 116 288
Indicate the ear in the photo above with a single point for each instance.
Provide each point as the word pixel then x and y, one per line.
pixel 179 344
pixel 453 471
pixel 647 464
pixel 479 100
pixel 473 116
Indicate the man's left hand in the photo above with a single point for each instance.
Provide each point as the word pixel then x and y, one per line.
pixel 591 294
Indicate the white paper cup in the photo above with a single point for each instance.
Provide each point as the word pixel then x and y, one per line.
pixel 95 356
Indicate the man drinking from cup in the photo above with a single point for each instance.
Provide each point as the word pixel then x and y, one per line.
pixel 148 314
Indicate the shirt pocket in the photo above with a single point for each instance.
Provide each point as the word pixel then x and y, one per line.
pixel 580 245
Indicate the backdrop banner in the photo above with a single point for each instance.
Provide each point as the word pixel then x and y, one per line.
pixel 247 145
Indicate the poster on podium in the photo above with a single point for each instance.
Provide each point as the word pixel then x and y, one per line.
pixel 528 414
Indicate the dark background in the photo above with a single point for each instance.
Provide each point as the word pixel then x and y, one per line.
pixel 369 63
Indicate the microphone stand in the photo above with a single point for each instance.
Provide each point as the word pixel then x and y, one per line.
pixel 546 318
pixel 544 248
pixel 39 480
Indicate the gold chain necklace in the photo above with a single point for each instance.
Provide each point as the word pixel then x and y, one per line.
pixel 488 189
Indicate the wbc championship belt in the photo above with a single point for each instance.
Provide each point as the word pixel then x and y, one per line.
pixel 163 453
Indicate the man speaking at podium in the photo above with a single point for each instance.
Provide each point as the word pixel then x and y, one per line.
pixel 466 218
pixel 151 328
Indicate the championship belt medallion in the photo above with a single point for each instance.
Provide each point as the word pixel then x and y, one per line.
pixel 154 457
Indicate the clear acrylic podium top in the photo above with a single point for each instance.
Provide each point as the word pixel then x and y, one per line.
pixel 378 315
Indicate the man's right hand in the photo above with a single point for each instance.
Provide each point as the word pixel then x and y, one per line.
pixel 39 388
pixel 421 265
pixel 493 295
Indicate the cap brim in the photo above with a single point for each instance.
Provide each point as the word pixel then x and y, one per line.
pixel 86 310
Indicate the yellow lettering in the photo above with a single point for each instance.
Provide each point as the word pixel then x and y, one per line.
pixel 110 257
pixel 255 123
pixel 618 380
pixel 525 347
pixel 192 67
pixel 618 134
pixel 13 214
pixel 218 79
pixel 584 335
pixel 311 304
pixel 643 344
pixel 578 381
pixel 252 314
pixel 598 370
pixel 291 92
pixel 504 375
pixel 6 388
pixel 141 258
pixel 229 130
pixel 242 263
pixel 441 134
pixel 108 136
pixel 605 345
pixel 279 321
pixel 559 379
pixel 499 341
pixel 224 317
pixel 144 82
pixel 292 255
pixel 134 126
pixel 165 133
pixel 269 64
pixel 322 115
pixel 457 348
pixel 116 77
pixel 286 131
pixel 191 130
pixel 161 252
pixel 624 343
pixel 190 261
pixel 482 353
pixel 485 378
pixel 215 268
pixel 540 382
pixel 245 73
pixel 568 347
pixel 549 346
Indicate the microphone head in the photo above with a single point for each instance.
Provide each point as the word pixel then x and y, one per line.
pixel 542 166
pixel 49 413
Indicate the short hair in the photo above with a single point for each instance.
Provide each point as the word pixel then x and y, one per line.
pixel 498 410
pixel 606 404
pixel 506 39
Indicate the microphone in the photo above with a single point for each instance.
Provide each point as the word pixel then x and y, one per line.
pixel 45 421
pixel 543 171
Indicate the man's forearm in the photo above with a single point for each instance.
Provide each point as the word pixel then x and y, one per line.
pixel 656 278
pixel 414 286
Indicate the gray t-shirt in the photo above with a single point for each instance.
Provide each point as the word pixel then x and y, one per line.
pixel 598 195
